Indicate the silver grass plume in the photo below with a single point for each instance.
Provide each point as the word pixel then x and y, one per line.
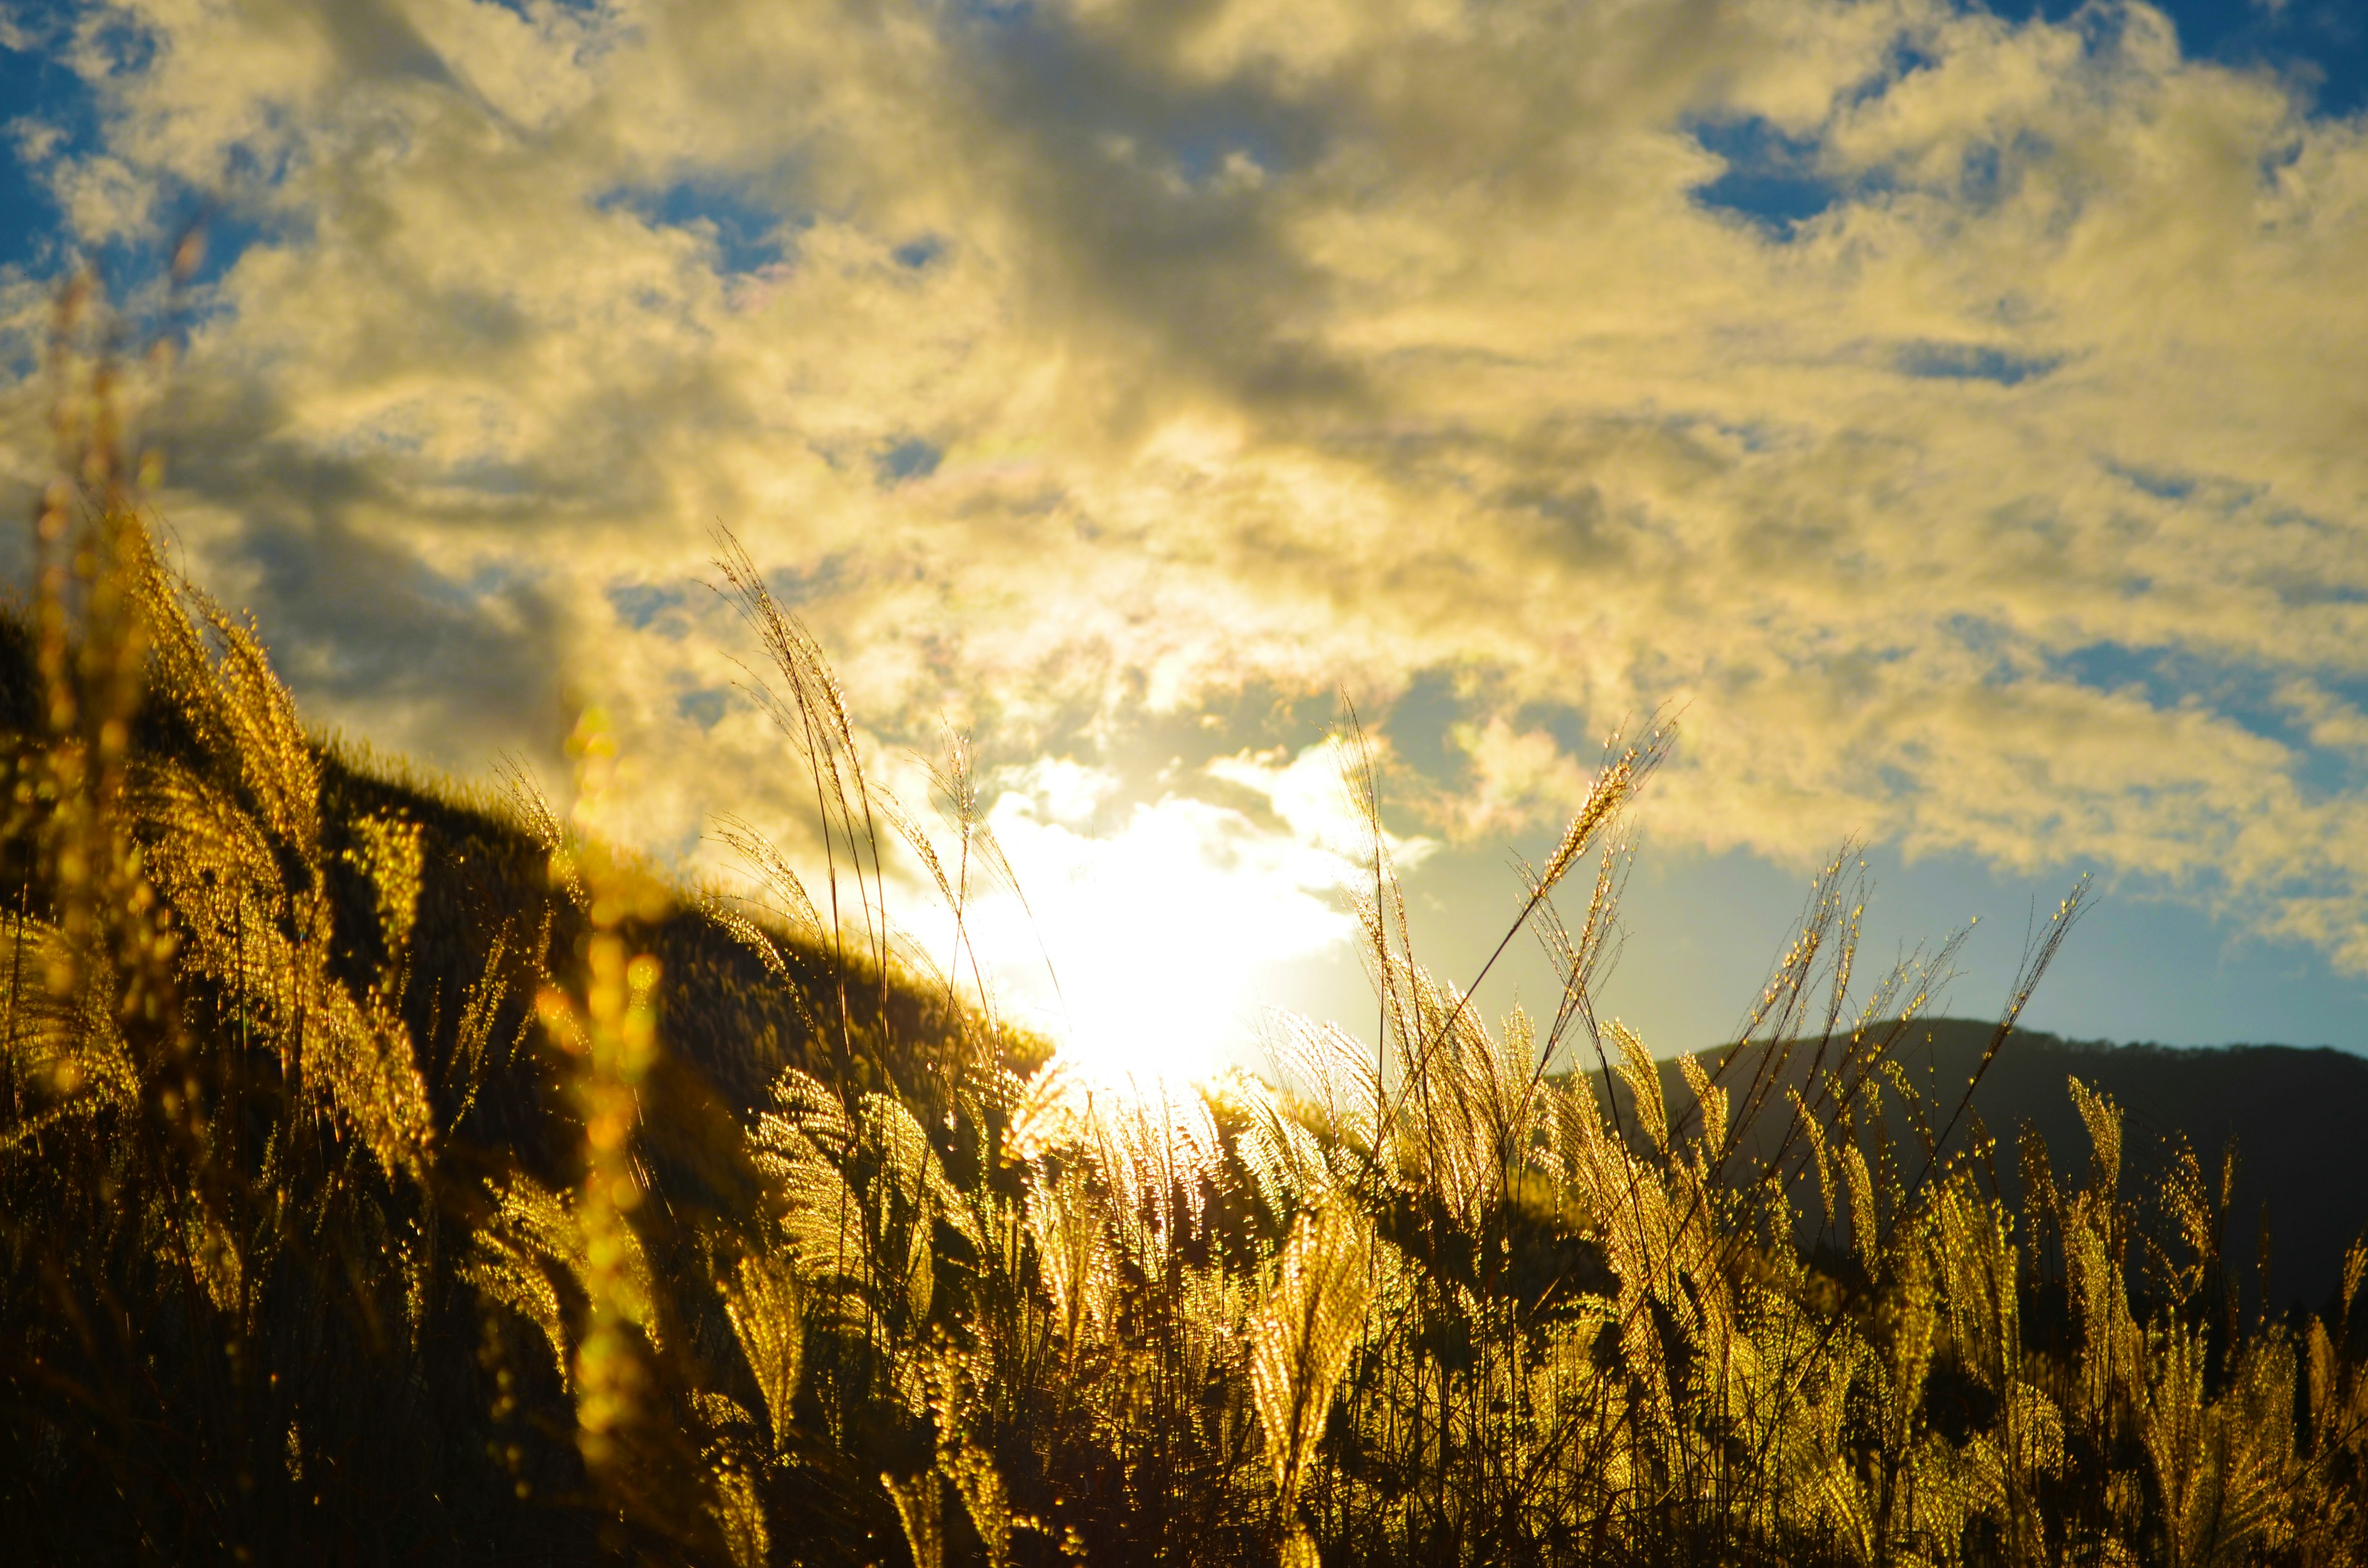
pixel 920 1509
pixel 767 1310
pixel 1302 1337
pixel 1710 1104
pixel 1614 787
pixel 1643 1075
pixel 738 1512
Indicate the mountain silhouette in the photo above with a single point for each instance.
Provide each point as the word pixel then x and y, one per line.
pixel 2297 1119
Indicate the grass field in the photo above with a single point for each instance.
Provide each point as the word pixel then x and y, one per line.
pixel 390 1175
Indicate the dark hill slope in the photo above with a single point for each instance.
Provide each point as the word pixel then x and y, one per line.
pixel 484 871
pixel 343 1390
pixel 2297 1119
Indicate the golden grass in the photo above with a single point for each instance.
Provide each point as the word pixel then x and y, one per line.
pixel 373 1186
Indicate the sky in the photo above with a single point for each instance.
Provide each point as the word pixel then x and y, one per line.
pixel 1953 415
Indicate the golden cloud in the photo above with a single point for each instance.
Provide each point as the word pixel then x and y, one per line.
pixel 1078 365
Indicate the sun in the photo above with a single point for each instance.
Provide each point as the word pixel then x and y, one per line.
pixel 1145 931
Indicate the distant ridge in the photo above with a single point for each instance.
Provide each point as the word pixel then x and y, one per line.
pixel 2298 1118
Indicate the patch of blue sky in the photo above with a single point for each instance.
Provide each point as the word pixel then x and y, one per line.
pixel 525 9
pixel 137 270
pixel 1204 141
pixel 2150 962
pixel 1772 178
pixel 2245 695
pixel 1581 734
pixel 911 457
pixel 704 707
pixel 1701 432
pixel 1987 641
pixel 1419 723
pixel 49 111
pixel 493 580
pixel 2317 593
pixel 2319 45
pixel 795 586
pixel 1775 180
pixel 1971 362
pixel 228 221
pixel 640 605
pixel 746 236
pixel 54 116
pixel 2166 677
pixel 2161 483
pixel 20 354
pixel 1904 59
pixel 1756 435
pixel 224 233
pixel 1982 173
pixel 917 255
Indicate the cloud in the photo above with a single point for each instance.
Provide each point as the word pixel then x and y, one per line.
pixel 1263 347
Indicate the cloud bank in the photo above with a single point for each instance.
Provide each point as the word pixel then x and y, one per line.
pixel 1961 422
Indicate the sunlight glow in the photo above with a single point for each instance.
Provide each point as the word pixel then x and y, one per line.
pixel 1159 926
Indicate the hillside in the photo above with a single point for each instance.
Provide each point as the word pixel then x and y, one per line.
pixel 2295 1118
pixel 373 1120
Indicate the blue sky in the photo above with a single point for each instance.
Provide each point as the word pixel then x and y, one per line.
pixel 1944 411
pixel 34 84
pixel 2321 43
